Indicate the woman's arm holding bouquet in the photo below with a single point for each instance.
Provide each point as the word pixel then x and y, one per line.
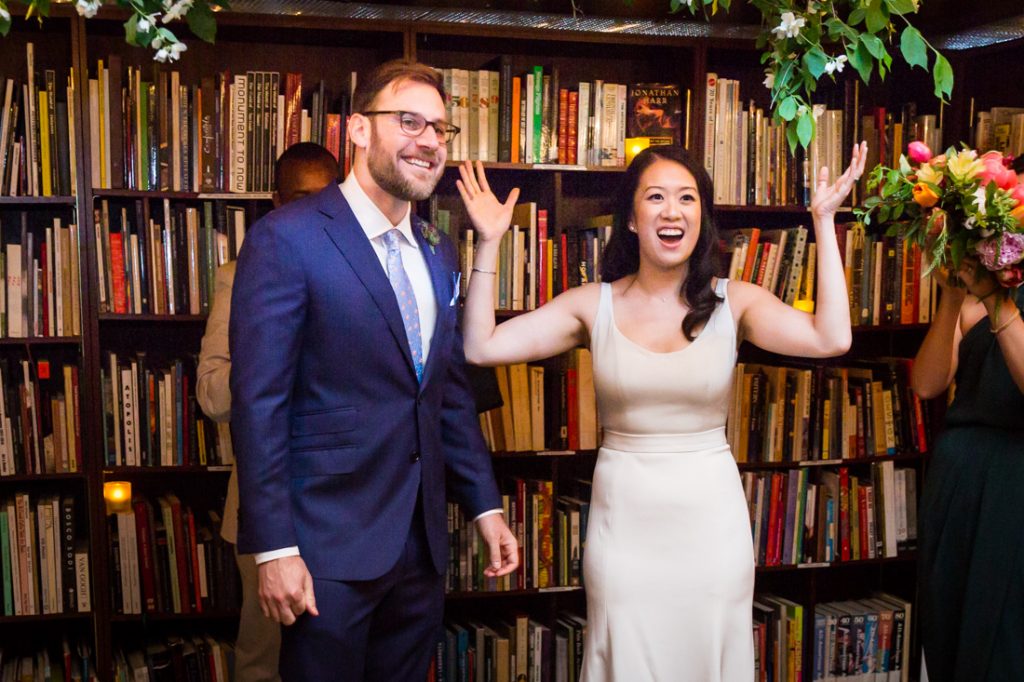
pixel 936 360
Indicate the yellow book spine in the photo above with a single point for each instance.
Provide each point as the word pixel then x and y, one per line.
pixel 44 144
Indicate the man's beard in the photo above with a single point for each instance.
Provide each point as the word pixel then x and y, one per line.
pixel 385 172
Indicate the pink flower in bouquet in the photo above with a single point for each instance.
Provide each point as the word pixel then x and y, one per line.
pixel 996 171
pixel 996 253
pixel 919 152
pixel 1010 277
pixel 1018 194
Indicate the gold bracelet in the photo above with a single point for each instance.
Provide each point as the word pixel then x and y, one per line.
pixel 486 272
pixel 997 330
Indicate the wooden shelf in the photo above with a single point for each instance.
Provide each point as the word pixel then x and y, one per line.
pixel 541 454
pixel 122 317
pixel 905 558
pixel 39 478
pixel 192 470
pixel 50 617
pixel 40 340
pixel 828 463
pixel 37 201
pixel 795 209
pixel 549 167
pixel 889 328
pixel 171 617
pixel 513 593
pixel 146 194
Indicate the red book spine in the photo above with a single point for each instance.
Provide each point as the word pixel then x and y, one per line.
pixel 862 512
pixel 292 109
pixel 542 240
pixel 573 140
pixel 333 135
pixel 117 272
pixel 563 125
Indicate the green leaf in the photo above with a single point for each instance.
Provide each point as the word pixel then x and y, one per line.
pixel 905 165
pixel 131 31
pixel 877 15
pixel 883 214
pixel 815 60
pixel 913 47
pixel 201 21
pixel 41 7
pixel 856 16
pixel 942 74
pixel 805 129
pixel 901 6
pixel 861 60
pixel 5 26
pixel 874 45
pixel 957 249
pixel 787 110
pixel 791 137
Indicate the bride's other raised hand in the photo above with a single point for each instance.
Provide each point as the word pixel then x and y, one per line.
pixel 491 218
pixel 828 198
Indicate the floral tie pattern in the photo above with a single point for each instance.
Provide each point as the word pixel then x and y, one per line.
pixel 406 299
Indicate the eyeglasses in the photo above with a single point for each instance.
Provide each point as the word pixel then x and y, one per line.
pixel 413 124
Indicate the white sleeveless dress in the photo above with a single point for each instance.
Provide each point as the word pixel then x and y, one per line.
pixel 669 563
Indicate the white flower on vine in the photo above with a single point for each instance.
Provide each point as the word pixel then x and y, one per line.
pixel 790 26
pixel 769 79
pixel 88 8
pixel 146 23
pixel 176 10
pixel 4 14
pixel 836 65
pixel 171 53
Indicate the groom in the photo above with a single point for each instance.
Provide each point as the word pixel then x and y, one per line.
pixel 351 408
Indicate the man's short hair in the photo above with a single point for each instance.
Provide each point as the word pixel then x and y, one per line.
pixel 305 154
pixel 394 71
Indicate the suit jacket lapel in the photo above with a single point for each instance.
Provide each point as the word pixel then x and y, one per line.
pixel 348 236
pixel 439 277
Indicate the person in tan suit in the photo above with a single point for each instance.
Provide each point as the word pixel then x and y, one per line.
pixel 302 169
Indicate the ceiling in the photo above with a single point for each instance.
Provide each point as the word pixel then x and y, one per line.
pixel 936 17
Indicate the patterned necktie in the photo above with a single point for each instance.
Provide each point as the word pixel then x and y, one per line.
pixel 406 299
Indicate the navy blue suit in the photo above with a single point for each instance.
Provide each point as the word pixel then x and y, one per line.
pixel 340 450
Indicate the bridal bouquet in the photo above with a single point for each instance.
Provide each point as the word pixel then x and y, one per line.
pixel 953 205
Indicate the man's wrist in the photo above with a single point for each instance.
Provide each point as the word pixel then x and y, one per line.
pixel 264 557
pixel 490 512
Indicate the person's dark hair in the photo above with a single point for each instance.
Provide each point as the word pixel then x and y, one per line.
pixel 1018 164
pixel 394 71
pixel 621 256
pixel 305 154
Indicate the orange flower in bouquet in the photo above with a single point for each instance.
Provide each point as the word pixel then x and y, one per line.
pixel 953 205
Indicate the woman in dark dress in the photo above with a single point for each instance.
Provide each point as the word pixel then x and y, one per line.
pixel 971 530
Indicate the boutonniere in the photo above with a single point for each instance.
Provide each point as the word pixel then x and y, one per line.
pixel 431 234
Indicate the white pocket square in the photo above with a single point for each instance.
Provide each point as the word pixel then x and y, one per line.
pixel 456 280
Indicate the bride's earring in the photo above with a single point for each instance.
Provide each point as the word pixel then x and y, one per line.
pixel 632 227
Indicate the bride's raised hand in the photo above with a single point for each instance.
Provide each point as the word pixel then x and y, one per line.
pixel 491 218
pixel 828 198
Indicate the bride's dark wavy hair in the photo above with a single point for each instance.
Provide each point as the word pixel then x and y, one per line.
pixel 621 256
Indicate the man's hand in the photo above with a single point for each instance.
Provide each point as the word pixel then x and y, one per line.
pixel 502 545
pixel 286 589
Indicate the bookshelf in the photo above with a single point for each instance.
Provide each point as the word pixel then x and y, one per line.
pixel 318 38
